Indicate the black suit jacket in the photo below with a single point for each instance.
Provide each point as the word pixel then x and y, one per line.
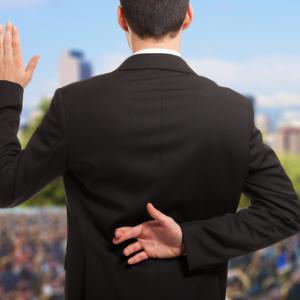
pixel 151 130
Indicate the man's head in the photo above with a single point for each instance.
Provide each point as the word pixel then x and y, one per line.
pixel 156 21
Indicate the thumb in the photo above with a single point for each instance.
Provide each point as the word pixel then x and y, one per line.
pixel 31 66
pixel 156 214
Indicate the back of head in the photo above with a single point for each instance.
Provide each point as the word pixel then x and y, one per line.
pixel 155 18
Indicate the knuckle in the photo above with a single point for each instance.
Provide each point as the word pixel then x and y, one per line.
pixel 8 52
pixel 7 38
pixel 6 60
pixel 170 218
pixel 167 219
pixel 135 246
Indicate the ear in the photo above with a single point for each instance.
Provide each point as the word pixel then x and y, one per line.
pixel 188 18
pixel 121 19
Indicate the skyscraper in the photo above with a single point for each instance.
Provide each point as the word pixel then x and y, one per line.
pixel 288 137
pixel 73 67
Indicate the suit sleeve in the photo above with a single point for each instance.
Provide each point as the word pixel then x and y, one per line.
pixel 273 215
pixel 24 172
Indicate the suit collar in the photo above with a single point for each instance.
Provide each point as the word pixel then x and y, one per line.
pixel 163 61
pixel 158 50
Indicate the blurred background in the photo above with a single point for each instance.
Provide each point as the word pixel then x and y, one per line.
pixel 250 46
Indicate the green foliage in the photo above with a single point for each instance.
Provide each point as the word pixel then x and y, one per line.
pixel 291 164
pixel 244 201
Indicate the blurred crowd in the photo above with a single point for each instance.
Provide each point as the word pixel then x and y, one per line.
pixel 32 250
pixel 271 273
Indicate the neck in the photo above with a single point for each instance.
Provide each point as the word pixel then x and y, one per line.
pixel 139 44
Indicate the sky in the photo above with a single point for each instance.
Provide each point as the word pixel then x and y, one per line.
pixel 252 47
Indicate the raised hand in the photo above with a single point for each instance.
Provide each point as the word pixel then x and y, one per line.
pixel 11 62
pixel 158 238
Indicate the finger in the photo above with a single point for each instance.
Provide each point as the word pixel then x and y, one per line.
pixel 16 44
pixel 8 53
pixel 134 247
pixel 133 232
pixel 138 258
pixel 1 40
pixel 120 230
pixel 31 66
pixel 156 214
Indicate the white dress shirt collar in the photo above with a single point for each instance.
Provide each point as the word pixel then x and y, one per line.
pixel 157 50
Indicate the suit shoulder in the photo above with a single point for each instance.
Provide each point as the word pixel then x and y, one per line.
pixel 234 96
pixel 223 94
pixel 86 85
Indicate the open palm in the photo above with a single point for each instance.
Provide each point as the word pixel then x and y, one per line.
pixel 158 238
pixel 11 61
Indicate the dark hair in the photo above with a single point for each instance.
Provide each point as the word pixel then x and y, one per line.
pixel 155 18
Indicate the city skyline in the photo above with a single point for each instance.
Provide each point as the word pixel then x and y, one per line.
pixel 282 135
pixel 250 47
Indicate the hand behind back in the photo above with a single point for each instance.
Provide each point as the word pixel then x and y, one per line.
pixel 158 238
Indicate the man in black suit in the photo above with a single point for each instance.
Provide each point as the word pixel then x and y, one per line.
pixel 150 131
